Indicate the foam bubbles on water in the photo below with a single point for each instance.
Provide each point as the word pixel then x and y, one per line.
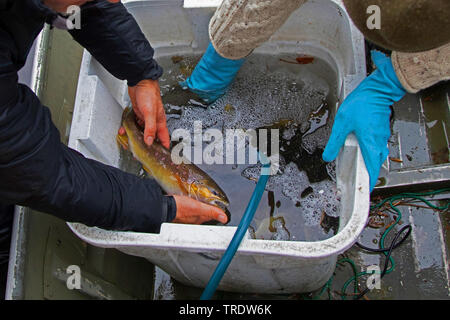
pixel 323 198
pixel 257 98
pixel 265 92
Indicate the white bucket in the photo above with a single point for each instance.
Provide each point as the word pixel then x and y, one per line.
pixel 190 253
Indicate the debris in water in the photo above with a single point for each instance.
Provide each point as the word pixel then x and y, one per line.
pixel 275 226
pixel 173 112
pixel 307 192
pixel 280 232
pixel 311 163
pixel 177 59
pixel 252 232
pixel 318 118
pixel 271 202
pixel 300 60
pixel 196 103
pixel 327 222
pixel 304 59
pixel 186 69
pixel 228 108
pixel 171 109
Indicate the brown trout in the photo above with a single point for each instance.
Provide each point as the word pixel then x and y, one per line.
pixel 175 179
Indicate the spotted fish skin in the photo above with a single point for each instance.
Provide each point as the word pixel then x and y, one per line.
pixel 176 179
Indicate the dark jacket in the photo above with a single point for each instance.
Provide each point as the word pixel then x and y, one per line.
pixel 36 169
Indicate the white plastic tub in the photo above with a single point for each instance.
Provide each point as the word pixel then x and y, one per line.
pixel 190 253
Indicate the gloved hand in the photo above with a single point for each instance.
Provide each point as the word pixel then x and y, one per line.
pixel 191 211
pixel 212 75
pixel 148 107
pixel 366 113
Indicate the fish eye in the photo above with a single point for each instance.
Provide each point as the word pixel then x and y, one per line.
pixel 214 192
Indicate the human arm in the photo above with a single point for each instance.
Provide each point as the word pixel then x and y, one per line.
pixel 111 34
pixel 236 29
pixel 40 172
pixel 420 70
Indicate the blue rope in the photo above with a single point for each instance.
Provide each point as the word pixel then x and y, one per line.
pixel 240 232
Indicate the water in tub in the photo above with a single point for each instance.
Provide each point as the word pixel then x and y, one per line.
pixel 301 202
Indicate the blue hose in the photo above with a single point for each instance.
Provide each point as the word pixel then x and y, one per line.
pixel 240 232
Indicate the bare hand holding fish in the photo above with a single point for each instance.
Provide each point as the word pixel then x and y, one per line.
pixel 147 105
pixel 195 212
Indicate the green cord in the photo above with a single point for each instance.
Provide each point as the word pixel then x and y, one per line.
pixel 417 196
pixel 390 200
pixel 330 281
pixel 354 278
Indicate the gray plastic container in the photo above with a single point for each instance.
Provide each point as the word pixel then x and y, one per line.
pixel 190 253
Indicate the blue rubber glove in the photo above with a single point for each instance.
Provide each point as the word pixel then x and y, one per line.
pixel 366 113
pixel 212 75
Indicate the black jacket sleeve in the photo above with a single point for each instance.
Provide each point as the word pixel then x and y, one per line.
pixel 38 171
pixel 114 38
